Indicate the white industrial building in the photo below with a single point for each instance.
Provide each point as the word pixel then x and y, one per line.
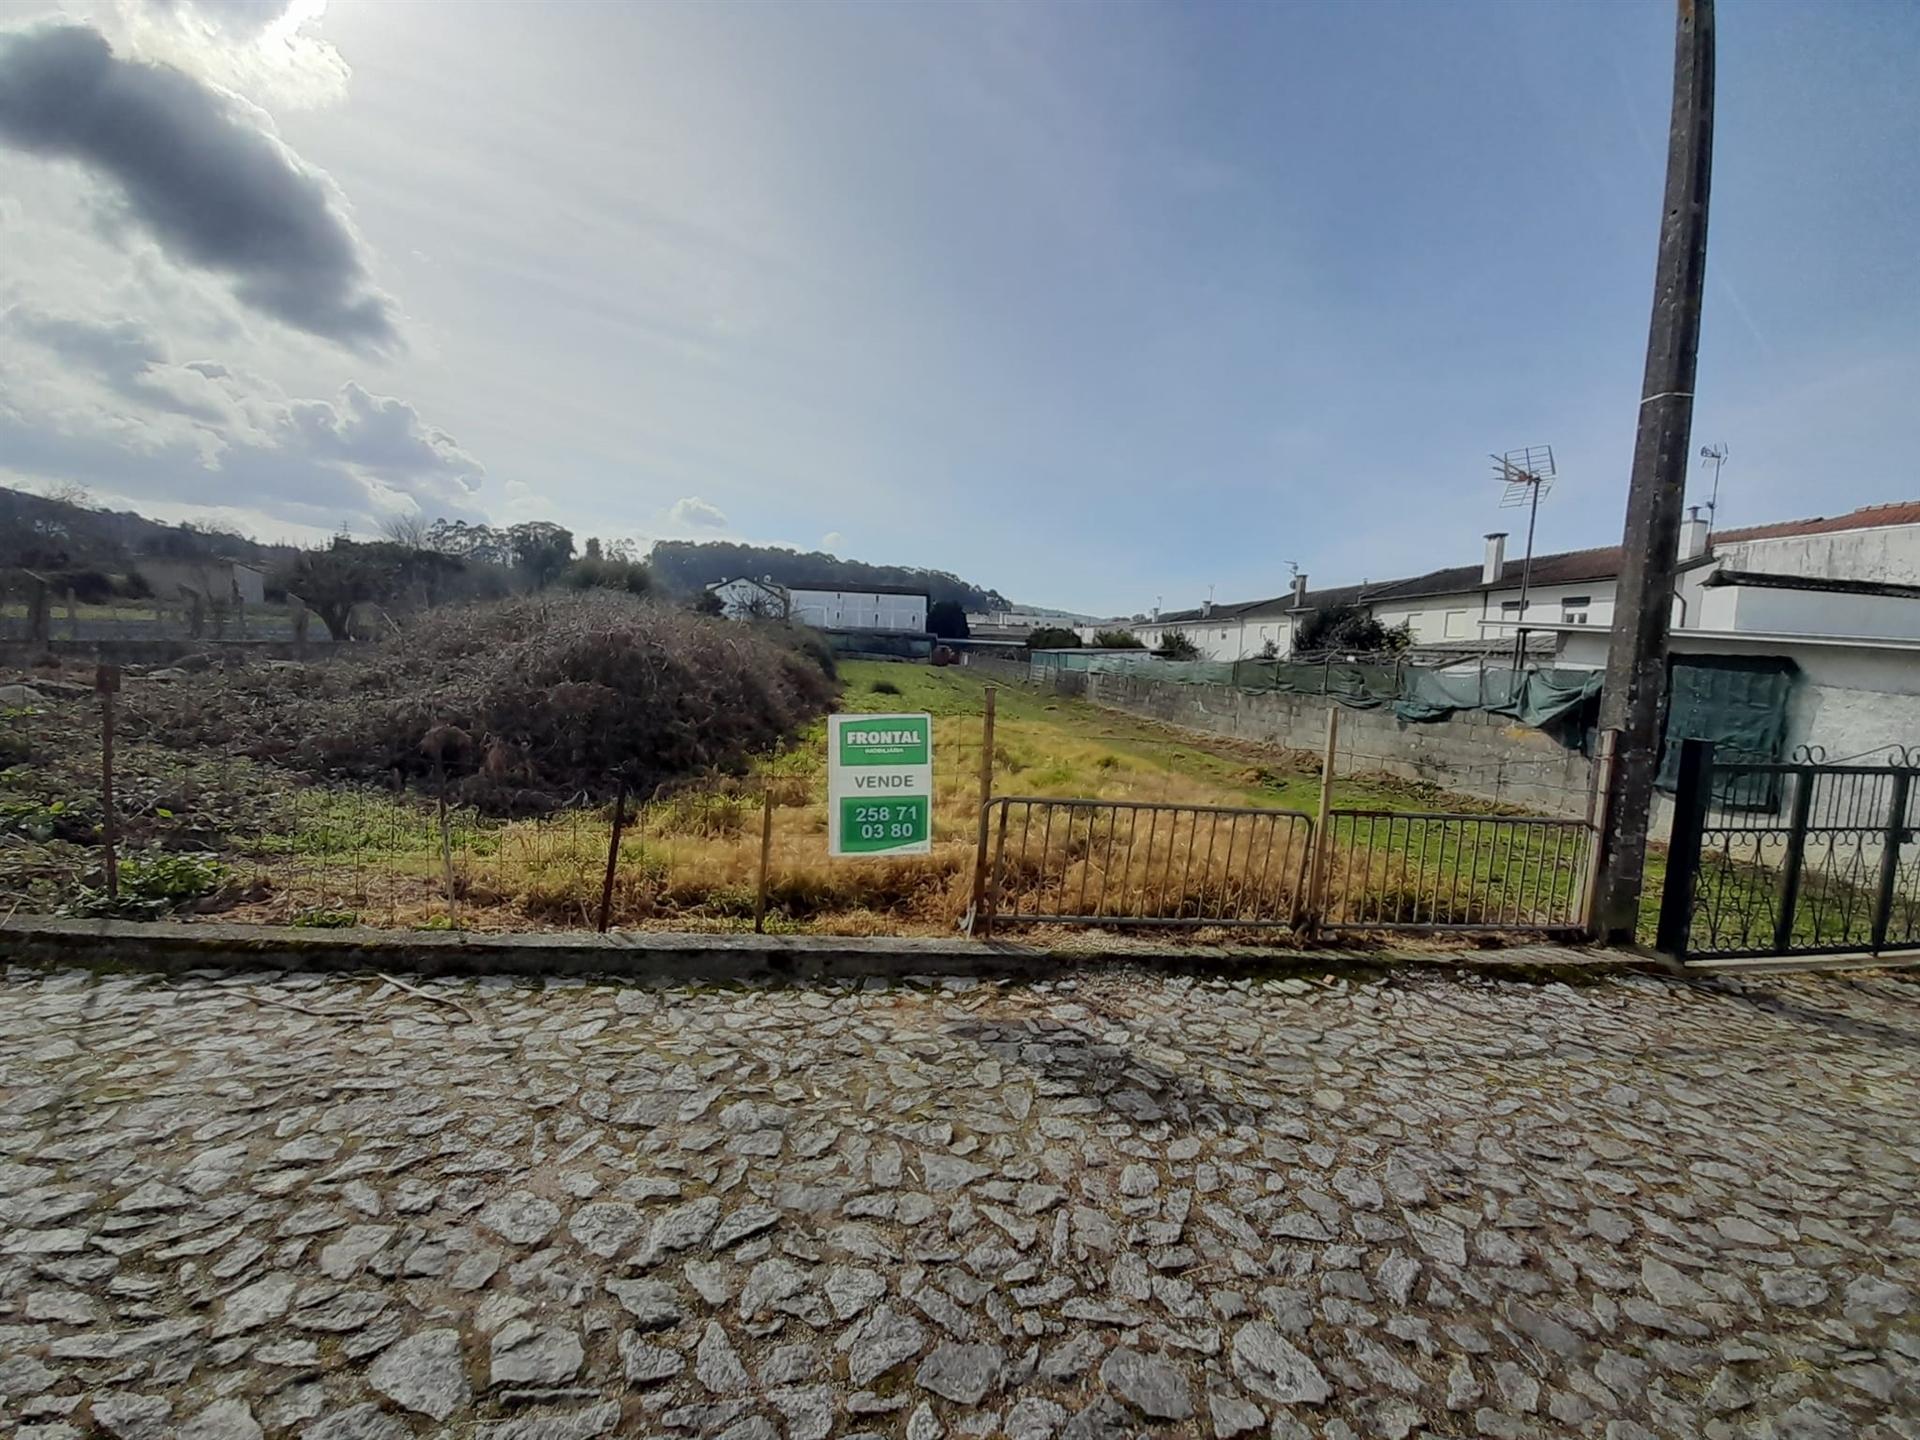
pixel 878 608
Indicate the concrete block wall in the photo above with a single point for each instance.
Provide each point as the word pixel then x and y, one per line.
pixel 1489 757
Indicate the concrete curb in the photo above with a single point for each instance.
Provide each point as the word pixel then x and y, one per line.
pixel 174 948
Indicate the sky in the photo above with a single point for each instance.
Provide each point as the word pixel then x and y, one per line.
pixel 1102 306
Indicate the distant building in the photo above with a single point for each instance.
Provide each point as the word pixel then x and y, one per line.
pixel 876 608
pixel 217 581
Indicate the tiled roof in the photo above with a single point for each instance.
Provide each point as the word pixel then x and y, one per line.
pixel 1565 567
pixel 1867 517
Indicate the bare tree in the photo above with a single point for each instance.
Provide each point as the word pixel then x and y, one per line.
pixel 407 530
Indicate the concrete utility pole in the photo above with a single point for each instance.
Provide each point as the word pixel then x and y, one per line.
pixel 1634 701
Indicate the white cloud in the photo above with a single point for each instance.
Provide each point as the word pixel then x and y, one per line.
pixel 266 49
pixel 100 400
pixel 832 541
pixel 693 513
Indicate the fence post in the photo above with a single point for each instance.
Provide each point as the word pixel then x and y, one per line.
pixel 1598 799
pixel 766 846
pixel 106 680
pixel 40 612
pixel 613 857
pixel 1890 856
pixel 1693 791
pixel 1796 855
pixel 981 920
pixel 196 614
pixel 1322 829
pixel 300 614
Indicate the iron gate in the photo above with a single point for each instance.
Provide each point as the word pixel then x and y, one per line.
pixel 1804 858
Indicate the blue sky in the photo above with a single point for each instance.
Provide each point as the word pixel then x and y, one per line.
pixel 1095 304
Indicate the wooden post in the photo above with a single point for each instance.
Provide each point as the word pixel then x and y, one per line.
pixel 766 846
pixel 196 614
pixel 1598 800
pixel 106 680
pixel 1322 830
pixel 1634 701
pixel 40 611
pixel 300 620
pixel 613 856
pixel 982 922
pixel 446 840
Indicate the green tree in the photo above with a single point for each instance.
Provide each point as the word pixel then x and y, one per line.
pixel 334 580
pixel 1117 640
pixel 593 573
pixel 1053 637
pixel 1177 645
pixel 947 619
pixel 542 549
pixel 1352 629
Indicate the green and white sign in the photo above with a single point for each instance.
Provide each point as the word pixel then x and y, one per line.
pixel 879 784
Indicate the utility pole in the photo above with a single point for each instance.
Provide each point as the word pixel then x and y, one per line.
pixel 1634 701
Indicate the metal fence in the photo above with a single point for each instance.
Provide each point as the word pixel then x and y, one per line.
pixel 145 822
pixel 1792 859
pixel 1411 870
pixel 1403 860
pixel 1108 862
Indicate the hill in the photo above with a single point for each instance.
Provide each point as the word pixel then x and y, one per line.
pixel 686 567
pixel 45 533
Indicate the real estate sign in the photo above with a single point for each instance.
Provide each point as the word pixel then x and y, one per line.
pixel 879 784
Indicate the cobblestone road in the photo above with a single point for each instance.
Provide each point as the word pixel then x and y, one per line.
pixel 343 1210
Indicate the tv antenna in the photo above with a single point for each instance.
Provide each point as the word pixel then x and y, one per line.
pixel 1718 455
pixel 1525 475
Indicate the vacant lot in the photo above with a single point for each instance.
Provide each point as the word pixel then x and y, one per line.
pixel 333 1208
pixel 211 828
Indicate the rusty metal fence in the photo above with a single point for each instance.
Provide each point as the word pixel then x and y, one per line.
pixel 1115 862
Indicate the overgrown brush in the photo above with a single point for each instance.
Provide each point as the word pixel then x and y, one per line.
pixel 518 706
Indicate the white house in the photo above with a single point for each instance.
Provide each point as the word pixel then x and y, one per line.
pixel 748 599
pixel 875 608
pixel 1478 608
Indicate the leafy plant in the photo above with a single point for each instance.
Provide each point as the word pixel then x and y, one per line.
pixel 159 883
pixel 318 917
pixel 884 687
pixel 1117 640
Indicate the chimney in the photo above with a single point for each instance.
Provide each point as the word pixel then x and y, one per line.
pixel 1156 614
pixel 1496 562
pixel 1693 534
pixel 1300 592
pixel 1206 607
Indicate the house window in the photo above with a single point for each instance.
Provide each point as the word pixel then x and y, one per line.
pixel 1574 608
pixel 1456 624
pixel 1509 609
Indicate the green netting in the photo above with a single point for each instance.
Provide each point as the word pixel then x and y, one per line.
pixel 1740 703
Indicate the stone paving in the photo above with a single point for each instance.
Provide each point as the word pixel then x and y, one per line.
pixel 344 1209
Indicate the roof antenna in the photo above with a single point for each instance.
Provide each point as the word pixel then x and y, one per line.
pixel 1527 474
pixel 1718 455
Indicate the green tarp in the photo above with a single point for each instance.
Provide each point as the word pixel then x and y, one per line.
pixel 1739 703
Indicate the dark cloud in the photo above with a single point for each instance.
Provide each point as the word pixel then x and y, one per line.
pixel 213 188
